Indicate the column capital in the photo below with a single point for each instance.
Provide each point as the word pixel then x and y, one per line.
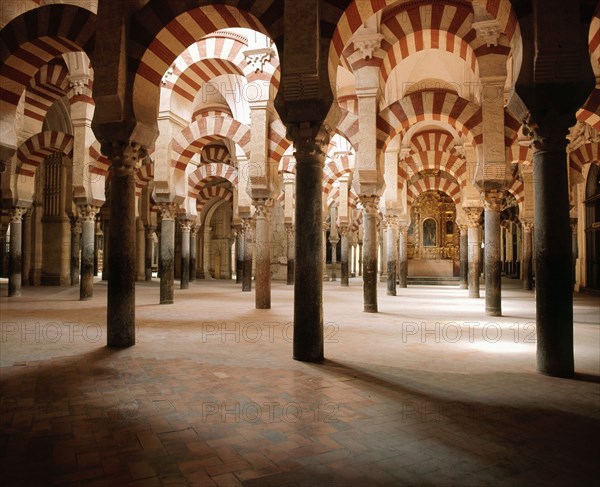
pixel 125 156
pixel 149 230
pixel 168 211
pixel 310 141
pixel 16 214
pixel 289 229
pixel 548 131
pixel 263 207
pixel 494 200
pixel 462 228
pixel 473 215
pixel 248 224
pixel 573 222
pixel 370 204
pixel 392 221
pixel 185 224
pixel 527 225
pixel 87 213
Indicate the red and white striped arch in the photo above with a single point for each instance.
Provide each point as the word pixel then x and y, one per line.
pixel 334 196
pixel 31 40
pixel 49 84
pixel 143 175
pixel 433 183
pixel 348 127
pixel 211 193
pixel 594 40
pixel 440 105
pixel 101 163
pixel 517 153
pixel 287 164
pixel 337 168
pixel 444 161
pixel 432 140
pixel 215 154
pixel 34 150
pixel 517 189
pixel 586 154
pixel 590 113
pixel 201 132
pixel 172 40
pixel 278 143
pixel 360 11
pixel 207 172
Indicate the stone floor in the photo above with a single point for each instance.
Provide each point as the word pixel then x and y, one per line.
pixel 426 392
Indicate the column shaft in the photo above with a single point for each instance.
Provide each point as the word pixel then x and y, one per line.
pixel 527 261
pixel 239 255
pixel 344 260
pixel 75 250
pixel 15 260
pixel 263 254
pixel 140 256
pixel 248 244
pixel 403 257
pixel 290 254
pixel 370 247
pixel 193 252
pixel 464 257
pixel 87 216
pixel 148 232
pixel 167 253
pixel 493 271
pixel 184 282
pixel 392 257
pixel 27 244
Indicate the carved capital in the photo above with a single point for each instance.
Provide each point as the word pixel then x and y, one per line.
pixel 168 211
pixel 185 225
pixel 149 230
pixel 80 85
pixel 548 130
pixel 257 58
pixel 125 156
pixel 76 225
pixel 473 215
pixel 263 207
pixel 310 142
pixel 370 205
pixel 463 229
pixel 367 44
pixel 494 200
pixel 527 225
pixel 87 213
pixel 573 222
pixel 289 230
pixel 16 214
pixel 489 31
pixel 392 221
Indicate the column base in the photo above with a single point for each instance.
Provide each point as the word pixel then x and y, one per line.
pixel 493 311
pixel 391 293
pixel 315 360
pixel 168 301
pixel 474 295
pixel 463 286
pixel 370 308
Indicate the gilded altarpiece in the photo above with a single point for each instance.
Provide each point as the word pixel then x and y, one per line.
pixel 433 233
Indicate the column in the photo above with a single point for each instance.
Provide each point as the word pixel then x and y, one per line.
pixel 333 241
pixel 392 253
pixel 105 234
pixel 263 252
pixel 310 143
pixel 325 227
pixel 464 257
pixel 474 241
pixel 193 251
pixel 574 250
pixel 248 245
pixel 97 245
pixel 148 233
pixel 553 253
pixel 185 225
pixel 527 262
pixel 168 213
pixel 382 255
pixel 87 217
pixel 239 255
pixel 140 256
pixel 289 230
pixel 75 249
pixel 370 246
pixel 360 258
pixel 15 258
pixel 121 280
pixel 493 203
pixel 345 271
pixel 403 256
pixel 27 247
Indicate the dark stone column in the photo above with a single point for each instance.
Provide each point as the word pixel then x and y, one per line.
pixel 87 216
pixel 574 249
pixel 148 233
pixel 262 217
pixel 553 253
pixel 333 241
pixel 494 202
pixel 403 256
pixel 167 252
pixel 75 250
pixel 26 244
pixel 186 226
pixel 248 246
pixel 526 260
pixel 15 258
pixel 325 227
pixel 193 251
pixel 344 260
pixel 360 258
pixel 392 253
pixel 370 246
pixel 121 245
pixel 289 230
pixel 464 257
pixel 97 245
pixel 311 145
pixel 474 254
pixel 239 255
pixel 105 250
pixel 140 254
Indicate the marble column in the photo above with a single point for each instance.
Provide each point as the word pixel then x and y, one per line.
pixel 345 271
pixel 15 258
pixel 263 209
pixel 464 257
pixel 360 259
pixel 392 253
pixel 325 227
pixel 26 264
pixel 370 247
pixel 311 145
pixel 474 241
pixel 148 233
pixel 493 203
pixel 403 256
pixel 121 244
pixel 87 217
pixel 248 247
pixel 334 241
pixel 97 245
pixel 106 234
pixel 553 253
pixel 382 253
pixel 168 213
pixel 185 225
pixel 193 252
pixel 140 255
pixel 239 255
pixel 75 250
pixel 527 261
pixel 289 230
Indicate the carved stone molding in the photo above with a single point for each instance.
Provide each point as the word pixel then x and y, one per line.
pixel 488 30
pixel 367 44
pixel 257 58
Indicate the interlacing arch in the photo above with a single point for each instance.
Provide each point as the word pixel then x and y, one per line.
pixel 585 154
pixel 101 163
pixel 436 160
pixel 215 153
pixel 34 150
pixel 519 153
pixel 49 84
pixel 348 127
pixel 208 172
pixel 143 175
pixel 199 133
pixel 440 105
pixel 278 143
pixel 171 35
pixel 517 189
pixel 213 193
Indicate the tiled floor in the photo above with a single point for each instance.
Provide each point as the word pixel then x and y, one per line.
pixel 426 392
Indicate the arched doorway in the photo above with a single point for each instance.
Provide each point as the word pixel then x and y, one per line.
pixel 592 228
